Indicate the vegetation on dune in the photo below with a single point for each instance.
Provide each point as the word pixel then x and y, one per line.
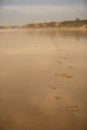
pixel 75 23
pixel 64 24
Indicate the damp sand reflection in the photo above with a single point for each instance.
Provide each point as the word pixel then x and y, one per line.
pixel 43 80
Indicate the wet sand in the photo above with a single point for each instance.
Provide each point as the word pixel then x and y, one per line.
pixel 43 79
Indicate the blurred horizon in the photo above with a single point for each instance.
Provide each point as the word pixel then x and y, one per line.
pixel 20 12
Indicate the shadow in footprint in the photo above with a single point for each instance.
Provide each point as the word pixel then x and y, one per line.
pixel 57 97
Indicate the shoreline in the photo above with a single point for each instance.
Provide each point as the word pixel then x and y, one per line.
pixel 48 28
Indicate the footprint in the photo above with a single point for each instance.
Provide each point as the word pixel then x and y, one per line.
pixel 70 67
pixel 63 75
pixel 59 62
pixel 54 88
pixel 63 57
pixel 56 74
pixel 66 76
pixel 57 97
pixel 71 108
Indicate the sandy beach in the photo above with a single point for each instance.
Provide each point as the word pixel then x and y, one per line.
pixel 43 79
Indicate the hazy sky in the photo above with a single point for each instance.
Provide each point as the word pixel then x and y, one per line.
pixel 29 11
